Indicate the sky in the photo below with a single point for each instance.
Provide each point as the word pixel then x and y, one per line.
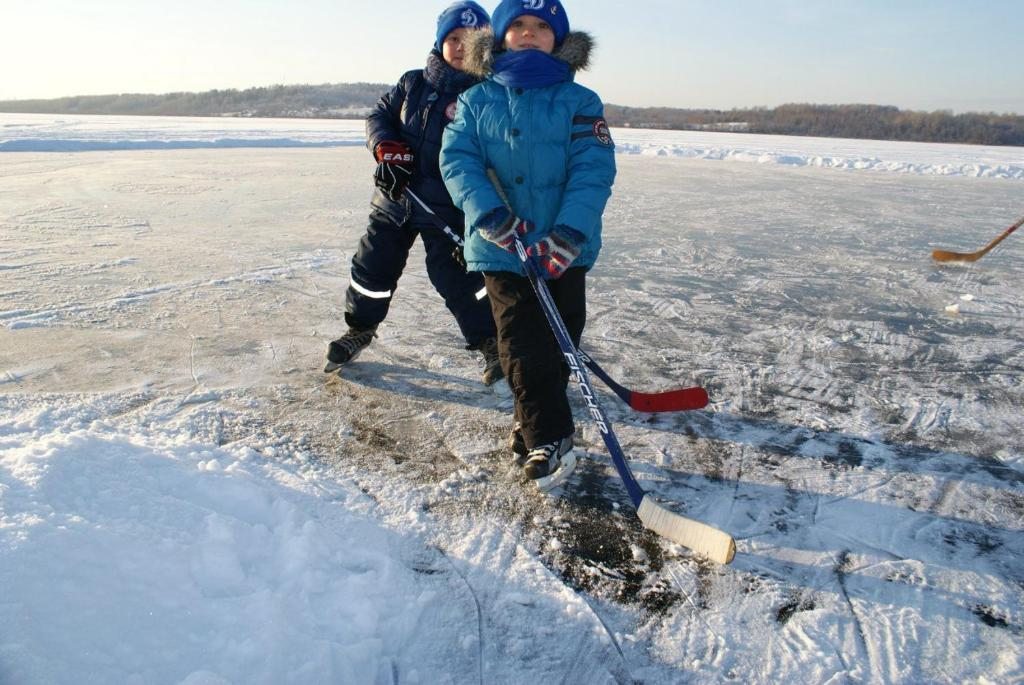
pixel 914 54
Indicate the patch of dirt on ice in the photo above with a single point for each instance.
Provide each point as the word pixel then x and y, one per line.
pixel 603 549
pixel 373 437
pixel 996 618
pixel 848 455
pixel 588 536
pixel 983 542
pixel 792 607
pixel 711 457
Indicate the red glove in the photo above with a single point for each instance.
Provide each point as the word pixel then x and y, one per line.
pixel 394 168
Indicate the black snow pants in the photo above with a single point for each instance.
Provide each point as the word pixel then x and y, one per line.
pixel 378 264
pixel 530 357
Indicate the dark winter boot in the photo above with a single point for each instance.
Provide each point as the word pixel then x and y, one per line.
pixel 347 347
pixel 492 365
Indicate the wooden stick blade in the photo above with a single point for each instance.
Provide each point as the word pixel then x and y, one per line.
pixel 699 537
pixel 946 256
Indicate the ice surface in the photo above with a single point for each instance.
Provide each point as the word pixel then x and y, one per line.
pixel 186 498
pixel 77 133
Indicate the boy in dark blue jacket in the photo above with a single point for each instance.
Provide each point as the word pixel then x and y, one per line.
pixel 545 138
pixel 404 134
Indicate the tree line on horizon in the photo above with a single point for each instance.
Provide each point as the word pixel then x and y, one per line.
pixel 325 101
pixel 354 100
pixel 879 122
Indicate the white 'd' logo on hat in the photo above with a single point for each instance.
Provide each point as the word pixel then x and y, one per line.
pixel 533 4
pixel 469 18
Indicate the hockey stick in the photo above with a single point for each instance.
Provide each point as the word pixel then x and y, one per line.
pixel 683 399
pixel 699 537
pixel 946 256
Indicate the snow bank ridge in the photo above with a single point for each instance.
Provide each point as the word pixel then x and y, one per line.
pixel 93 145
pixel 1006 171
pixel 81 133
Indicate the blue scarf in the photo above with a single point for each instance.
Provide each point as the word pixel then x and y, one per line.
pixel 444 77
pixel 530 69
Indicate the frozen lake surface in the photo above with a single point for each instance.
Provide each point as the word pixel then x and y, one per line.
pixel 47 133
pixel 186 498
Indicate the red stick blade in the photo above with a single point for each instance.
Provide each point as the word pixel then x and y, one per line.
pixel 685 399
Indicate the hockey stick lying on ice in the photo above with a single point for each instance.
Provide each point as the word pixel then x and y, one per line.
pixel 946 256
pixel 683 399
pixel 699 537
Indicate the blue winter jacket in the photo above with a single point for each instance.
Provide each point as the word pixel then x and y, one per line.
pixel 549 146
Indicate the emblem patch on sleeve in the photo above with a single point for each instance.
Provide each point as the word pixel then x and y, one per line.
pixel 601 132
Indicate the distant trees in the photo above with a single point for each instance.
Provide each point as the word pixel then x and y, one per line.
pixel 313 101
pixel 834 121
pixel 354 100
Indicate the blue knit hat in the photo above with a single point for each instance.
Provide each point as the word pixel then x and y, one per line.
pixel 460 15
pixel 550 11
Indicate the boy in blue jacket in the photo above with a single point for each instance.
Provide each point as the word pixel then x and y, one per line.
pixel 404 135
pixel 546 138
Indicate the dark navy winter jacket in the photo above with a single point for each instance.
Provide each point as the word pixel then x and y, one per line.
pixel 416 112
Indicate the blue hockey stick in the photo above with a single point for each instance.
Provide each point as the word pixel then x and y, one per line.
pixel 682 399
pixel 695 535
pixel 699 537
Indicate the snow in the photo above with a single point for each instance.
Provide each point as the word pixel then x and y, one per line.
pixel 828 153
pixel 50 133
pixel 186 498
pixel 78 133
pixel 143 556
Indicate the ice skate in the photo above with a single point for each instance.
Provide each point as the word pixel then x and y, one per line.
pixel 346 348
pixel 551 464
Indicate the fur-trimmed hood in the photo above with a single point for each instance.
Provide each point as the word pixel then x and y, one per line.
pixel 480 55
